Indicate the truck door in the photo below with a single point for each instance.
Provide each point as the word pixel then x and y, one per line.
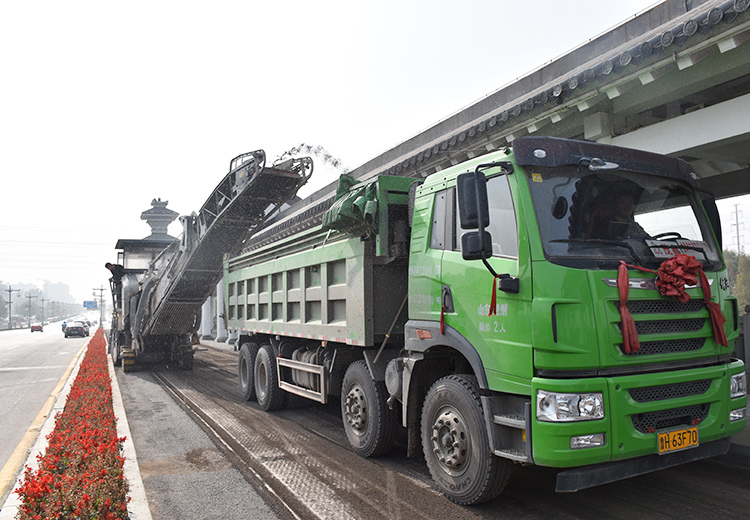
pixel 429 237
pixel 502 337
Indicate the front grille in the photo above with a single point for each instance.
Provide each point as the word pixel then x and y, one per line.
pixel 663 392
pixel 668 326
pixel 671 346
pixel 686 416
pixel 663 306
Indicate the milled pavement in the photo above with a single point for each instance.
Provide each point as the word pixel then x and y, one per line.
pixel 176 472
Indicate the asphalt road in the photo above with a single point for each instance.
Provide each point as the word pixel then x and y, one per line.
pixel 31 366
pixel 302 454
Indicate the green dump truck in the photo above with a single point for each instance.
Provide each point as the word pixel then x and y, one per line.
pixel 504 311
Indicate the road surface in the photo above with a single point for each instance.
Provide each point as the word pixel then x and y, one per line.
pixel 31 366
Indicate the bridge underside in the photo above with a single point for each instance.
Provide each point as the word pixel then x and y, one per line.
pixel 673 80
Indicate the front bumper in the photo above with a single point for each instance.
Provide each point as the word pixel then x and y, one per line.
pixel 589 476
pixel 638 408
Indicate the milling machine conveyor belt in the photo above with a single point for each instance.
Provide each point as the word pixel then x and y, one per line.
pixel 186 273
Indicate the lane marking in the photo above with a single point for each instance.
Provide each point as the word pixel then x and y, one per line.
pixel 20 454
pixel 13 369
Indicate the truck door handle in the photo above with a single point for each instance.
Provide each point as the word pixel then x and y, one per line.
pixel 447 299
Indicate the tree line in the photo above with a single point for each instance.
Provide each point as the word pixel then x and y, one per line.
pixel 738 269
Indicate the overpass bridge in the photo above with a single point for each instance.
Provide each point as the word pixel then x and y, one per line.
pixel 674 79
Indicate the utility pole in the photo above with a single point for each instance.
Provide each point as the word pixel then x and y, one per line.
pixel 101 304
pixel 10 290
pixel 43 299
pixel 30 297
pixel 736 225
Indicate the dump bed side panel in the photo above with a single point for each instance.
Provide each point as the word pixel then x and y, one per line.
pixel 343 281
pixel 321 294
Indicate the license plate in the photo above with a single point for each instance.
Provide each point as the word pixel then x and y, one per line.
pixel 677 440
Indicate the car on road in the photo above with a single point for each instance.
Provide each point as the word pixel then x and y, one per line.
pixel 35 328
pixel 76 328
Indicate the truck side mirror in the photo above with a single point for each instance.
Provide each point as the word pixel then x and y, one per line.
pixel 474 213
pixel 472 248
pixel 472 200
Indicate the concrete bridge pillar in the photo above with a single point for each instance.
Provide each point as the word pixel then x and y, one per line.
pixel 233 337
pixel 206 320
pixel 221 328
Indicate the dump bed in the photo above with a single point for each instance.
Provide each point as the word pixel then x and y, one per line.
pixel 342 281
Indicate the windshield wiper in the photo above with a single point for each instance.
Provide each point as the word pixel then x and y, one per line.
pixel 637 259
pixel 695 248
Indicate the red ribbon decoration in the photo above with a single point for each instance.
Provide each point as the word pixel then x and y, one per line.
pixel 493 300
pixel 717 318
pixel 630 341
pixel 442 319
pixel 672 277
pixel 677 272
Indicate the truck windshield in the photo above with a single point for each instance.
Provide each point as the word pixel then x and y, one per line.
pixel 593 219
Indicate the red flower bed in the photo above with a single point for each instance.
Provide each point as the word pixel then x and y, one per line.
pixel 80 474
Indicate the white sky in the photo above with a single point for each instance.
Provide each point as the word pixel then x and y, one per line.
pixel 105 106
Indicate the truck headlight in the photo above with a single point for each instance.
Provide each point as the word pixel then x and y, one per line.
pixel 738 385
pixel 558 407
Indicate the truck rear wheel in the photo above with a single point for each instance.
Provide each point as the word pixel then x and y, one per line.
pixel 368 421
pixel 246 370
pixel 266 381
pixel 455 442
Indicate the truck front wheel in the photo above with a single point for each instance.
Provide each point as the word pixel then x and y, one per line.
pixel 270 396
pixel 455 442
pixel 246 370
pixel 368 421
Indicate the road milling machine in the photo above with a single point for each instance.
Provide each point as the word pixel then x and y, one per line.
pixel 157 310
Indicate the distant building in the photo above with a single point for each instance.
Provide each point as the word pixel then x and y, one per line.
pixel 138 253
pixel 57 291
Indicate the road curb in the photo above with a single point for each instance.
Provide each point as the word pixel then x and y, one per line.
pixel 138 508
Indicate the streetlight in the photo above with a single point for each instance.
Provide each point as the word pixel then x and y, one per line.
pixel 101 303
pixel 10 290
pixel 30 297
pixel 43 299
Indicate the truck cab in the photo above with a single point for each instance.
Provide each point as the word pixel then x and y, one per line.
pixel 516 275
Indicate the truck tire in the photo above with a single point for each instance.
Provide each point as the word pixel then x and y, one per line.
pixel 368 422
pixel 455 443
pixel 114 349
pixel 266 381
pixel 246 370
